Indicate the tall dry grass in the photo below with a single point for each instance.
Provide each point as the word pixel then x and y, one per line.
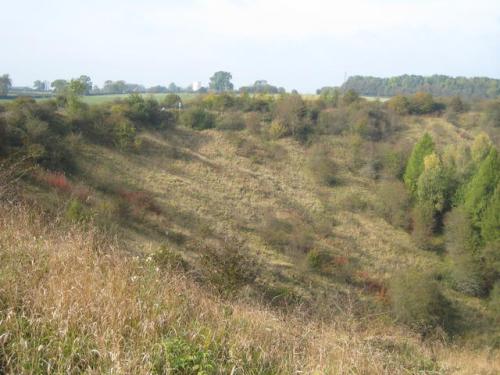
pixel 72 302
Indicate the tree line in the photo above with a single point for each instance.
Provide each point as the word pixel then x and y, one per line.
pixel 438 85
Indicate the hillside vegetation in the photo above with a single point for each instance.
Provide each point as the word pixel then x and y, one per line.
pixel 250 235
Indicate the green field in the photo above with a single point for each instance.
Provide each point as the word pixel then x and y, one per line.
pixel 97 99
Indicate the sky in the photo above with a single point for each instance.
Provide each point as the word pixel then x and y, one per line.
pixel 296 44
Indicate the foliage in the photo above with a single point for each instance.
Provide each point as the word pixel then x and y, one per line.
pixel 482 186
pixel 400 104
pixel 418 302
pixel 197 118
pixel 481 147
pixel 439 85
pixel 394 203
pixel 415 165
pixel 322 166
pixel 433 184
pixel 221 81
pixel 228 268
pixel 424 224
pixel 231 121
pixel 186 358
pixel 5 84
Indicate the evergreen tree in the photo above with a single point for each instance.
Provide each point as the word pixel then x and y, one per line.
pixel 481 187
pixel 490 224
pixel 415 165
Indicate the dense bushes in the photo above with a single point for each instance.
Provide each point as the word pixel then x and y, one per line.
pixel 418 302
pixel 322 166
pixel 197 118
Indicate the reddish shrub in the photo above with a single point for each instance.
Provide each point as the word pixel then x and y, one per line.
pixel 55 180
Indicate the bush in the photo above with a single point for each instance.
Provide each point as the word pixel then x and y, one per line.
pixel 76 211
pixel 415 165
pixel 333 121
pixel 179 356
pixel 253 122
pixel 417 301
pixel 394 203
pixel 228 268
pixel 494 302
pixel 322 166
pixel 285 235
pixel 424 224
pixel 197 118
pixel 231 121
pixel 318 260
pixel 168 259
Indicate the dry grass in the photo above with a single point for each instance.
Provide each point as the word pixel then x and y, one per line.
pixel 71 302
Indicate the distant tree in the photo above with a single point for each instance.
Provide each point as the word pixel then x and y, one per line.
pixel 290 111
pixel 173 88
pixel 77 87
pixel 39 85
pixel 87 82
pixel 59 85
pixel 5 84
pixel 437 85
pixel 415 165
pixel 221 81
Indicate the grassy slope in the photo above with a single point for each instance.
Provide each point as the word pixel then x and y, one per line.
pixel 211 185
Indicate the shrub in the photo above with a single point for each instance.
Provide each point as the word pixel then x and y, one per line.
pixel 424 224
pixel 168 259
pixel 253 122
pixel 494 302
pixel 318 260
pixel 76 212
pixel 277 130
pixel 394 203
pixel 322 166
pixel 228 268
pixel 197 118
pixel 182 357
pixel 333 121
pixel 286 235
pixel 231 121
pixel 417 301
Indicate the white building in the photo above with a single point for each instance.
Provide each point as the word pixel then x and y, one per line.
pixel 196 85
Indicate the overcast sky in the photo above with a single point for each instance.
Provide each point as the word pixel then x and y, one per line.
pixel 290 43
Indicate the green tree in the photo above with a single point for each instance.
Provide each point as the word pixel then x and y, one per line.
pixel 433 183
pixel 490 224
pixel 59 85
pixel 221 81
pixel 415 165
pixel 39 85
pixel 87 83
pixel 482 186
pixel 5 84
pixel 481 147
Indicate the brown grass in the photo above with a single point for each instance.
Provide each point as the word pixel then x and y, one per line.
pixel 72 302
